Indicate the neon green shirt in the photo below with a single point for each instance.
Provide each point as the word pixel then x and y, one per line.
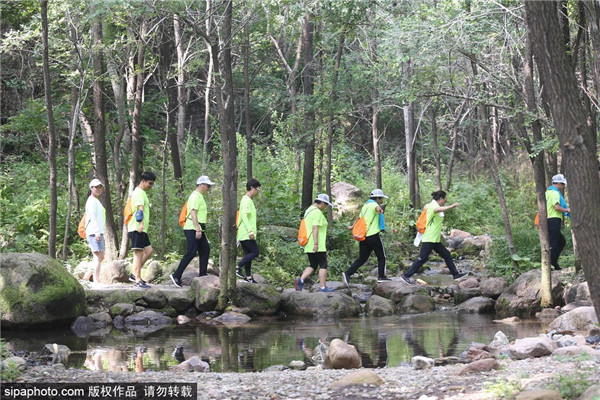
pixel 247 222
pixel 139 198
pixel 433 229
pixel 371 217
pixel 552 198
pixel 313 216
pixel 196 202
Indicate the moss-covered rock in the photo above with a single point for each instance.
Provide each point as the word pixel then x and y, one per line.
pixel 36 289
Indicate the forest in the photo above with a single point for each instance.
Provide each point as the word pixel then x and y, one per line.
pixel 483 99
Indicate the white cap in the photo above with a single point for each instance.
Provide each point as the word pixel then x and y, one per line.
pixel 323 198
pixel 95 182
pixel 378 193
pixel 204 180
pixel 560 178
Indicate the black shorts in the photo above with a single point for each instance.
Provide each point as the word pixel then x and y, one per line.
pixel 139 241
pixel 317 260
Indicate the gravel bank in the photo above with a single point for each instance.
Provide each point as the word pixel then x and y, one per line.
pixel 402 382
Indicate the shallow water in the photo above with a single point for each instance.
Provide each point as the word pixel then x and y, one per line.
pixel 263 342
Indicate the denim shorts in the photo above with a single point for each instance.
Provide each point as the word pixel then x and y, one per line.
pixel 94 244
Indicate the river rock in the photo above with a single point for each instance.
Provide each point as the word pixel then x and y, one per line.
pixel 469 283
pixel 547 314
pixel 582 319
pixel 320 304
pixel 114 271
pixel 152 271
pixel 258 298
pixel 14 362
pixel 578 292
pixel 153 298
pixel 297 365
pixel 416 304
pixel 378 306
pixel 341 355
pixel 123 309
pixel 36 289
pixel 477 351
pixel 180 300
pixel 232 319
pixel 194 364
pixel 576 304
pixel 592 393
pixel 500 340
pixel 364 377
pixel 477 305
pixel 147 321
pixel 532 347
pixel 539 394
pixel 473 245
pixel 575 351
pixel 396 291
pixel 493 287
pixel 484 365
pixel 421 362
pixel 523 297
pixel 206 289
pixel 462 295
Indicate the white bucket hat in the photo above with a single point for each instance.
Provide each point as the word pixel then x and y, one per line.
pixel 95 182
pixel 324 198
pixel 560 178
pixel 204 180
pixel 378 193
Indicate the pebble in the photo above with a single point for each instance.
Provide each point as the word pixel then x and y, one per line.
pixel 402 382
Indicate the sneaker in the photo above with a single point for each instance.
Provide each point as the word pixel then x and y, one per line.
pixel 383 279
pixel 345 279
pixel 298 284
pixel 142 285
pixel 176 282
pixel 326 289
pixel 460 275
pixel 238 273
pixel 250 279
pixel 132 278
pixel 407 280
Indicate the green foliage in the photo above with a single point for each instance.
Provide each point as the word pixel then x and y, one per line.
pixel 503 388
pixel 9 371
pixel 572 385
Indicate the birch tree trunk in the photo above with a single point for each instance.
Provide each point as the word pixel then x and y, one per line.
pixel 308 88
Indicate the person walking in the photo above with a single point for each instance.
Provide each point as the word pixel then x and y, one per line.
pixel 556 207
pixel 138 227
pixel 194 230
pixel 95 215
pixel 315 248
pixel 372 211
pixel 246 233
pixel 432 238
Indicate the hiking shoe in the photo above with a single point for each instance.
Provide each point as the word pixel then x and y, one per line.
pixel 298 284
pixel 383 279
pixel 250 279
pixel 345 279
pixel 142 285
pixel 238 273
pixel 326 289
pixel 460 275
pixel 407 280
pixel 176 282
pixel 132 278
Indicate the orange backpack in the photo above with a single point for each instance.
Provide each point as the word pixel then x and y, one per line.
pixel 359 229
pixel 128 211
pixel 183 215
pixel 302 235
pixel 237 219
pixel 536 221
pixel 422 222
pixel 81 227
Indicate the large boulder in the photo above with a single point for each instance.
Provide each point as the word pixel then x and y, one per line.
pixel 581 319
pixel 578 292
pixel 416 304
pixel 114 272
pixel 532 347
pixel 493 287
pixel 378 306
pixel 207 289
pixel 341 355
pixel 346 197
pixel 36 289
pixel 523 297
pixel 259 299
pixel 477 305
pixel 320 304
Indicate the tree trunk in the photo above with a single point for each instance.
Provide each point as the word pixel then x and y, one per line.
pixel 176 138
pixel 436 151
pixel 247 114
pixel 375 137
pixel 110 236
pixel 411 155
pixel 308 88
pixel 52 139
pixel 209 83
pixel 575 136
pixel 225 102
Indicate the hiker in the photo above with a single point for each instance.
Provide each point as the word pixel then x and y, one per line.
pixel 315 248
pixel 194 230
pixel 95 216
pixel 372 211
pixel 432 238
pixel 137 227
pixel 246 233
pixel 556 207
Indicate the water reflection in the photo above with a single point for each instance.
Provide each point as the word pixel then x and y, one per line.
pixel 381 342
